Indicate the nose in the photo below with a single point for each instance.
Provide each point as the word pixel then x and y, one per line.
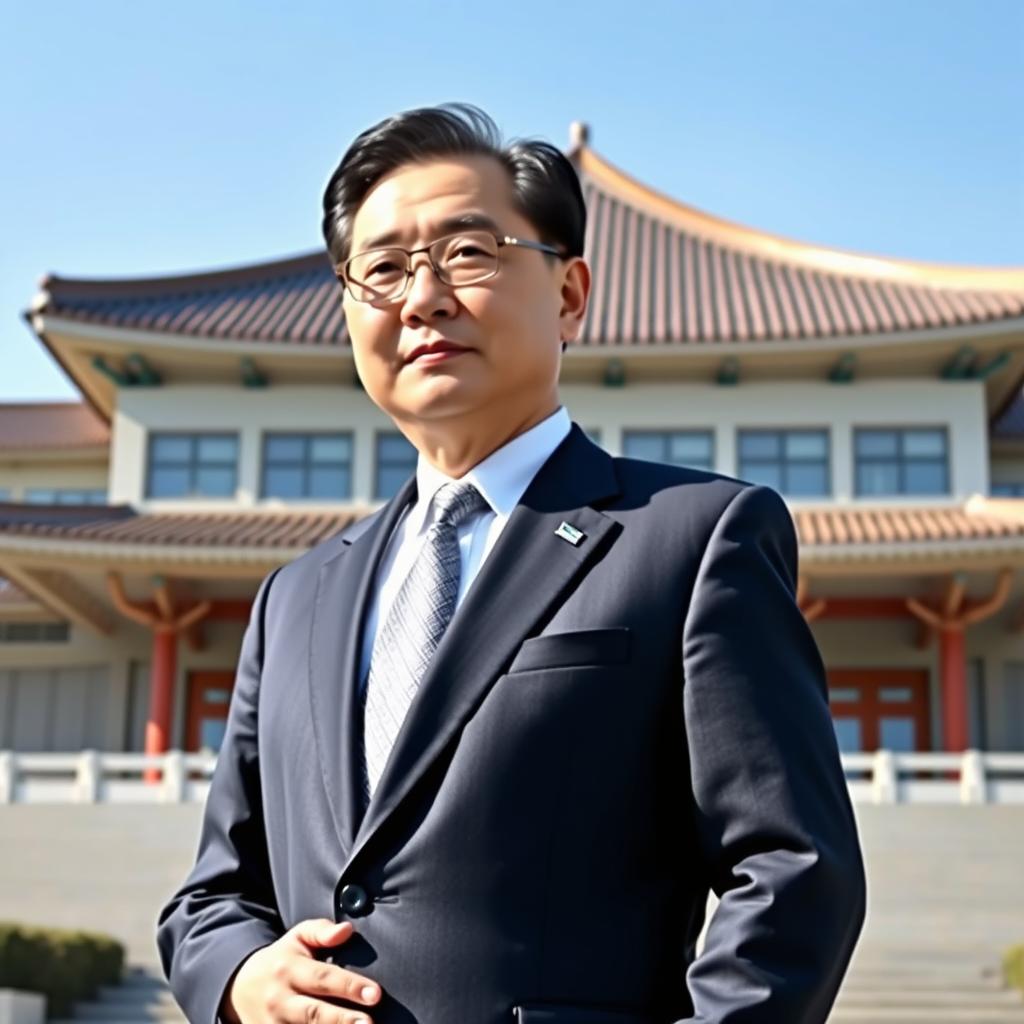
pixel 428 298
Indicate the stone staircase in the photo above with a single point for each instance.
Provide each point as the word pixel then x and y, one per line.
pixel 944 900
pixel 902 988
pixel 142 998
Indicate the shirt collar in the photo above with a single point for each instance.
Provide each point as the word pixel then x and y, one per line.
pixel 502 477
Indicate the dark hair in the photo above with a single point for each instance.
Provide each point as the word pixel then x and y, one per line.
pixel 545 186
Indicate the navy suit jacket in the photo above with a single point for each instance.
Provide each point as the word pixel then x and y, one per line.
pixel 608 730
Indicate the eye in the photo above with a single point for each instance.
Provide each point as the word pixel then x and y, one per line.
pixel 384 267
pixel 467 249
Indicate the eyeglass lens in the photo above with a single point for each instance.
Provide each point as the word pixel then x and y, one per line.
pixel 460 259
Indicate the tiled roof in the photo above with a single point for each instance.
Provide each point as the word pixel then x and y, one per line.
pixel 663 273
pixel 820 528
pixel 855 526
pixel 120 524
pixel 36 425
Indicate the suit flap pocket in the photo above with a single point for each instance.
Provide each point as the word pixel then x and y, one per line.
pixel 606 646
pixel 575 1013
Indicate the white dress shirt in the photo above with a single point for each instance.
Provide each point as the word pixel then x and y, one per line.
pixel 502 478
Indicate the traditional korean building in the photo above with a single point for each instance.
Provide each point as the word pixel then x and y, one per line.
pixel 222 431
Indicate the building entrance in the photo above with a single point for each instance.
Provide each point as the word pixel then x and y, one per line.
pixel 209 694
pixel 878 708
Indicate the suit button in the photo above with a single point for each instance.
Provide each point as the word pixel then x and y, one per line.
pixel 354 899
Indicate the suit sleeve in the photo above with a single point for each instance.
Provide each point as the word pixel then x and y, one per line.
pixel 226 909
pixel 773 813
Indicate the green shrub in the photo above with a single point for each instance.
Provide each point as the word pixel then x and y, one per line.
pixel 63 965
pixel 1013 966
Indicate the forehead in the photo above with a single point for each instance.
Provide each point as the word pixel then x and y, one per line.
pixel 407 205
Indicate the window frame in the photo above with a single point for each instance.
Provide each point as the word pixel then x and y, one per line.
pixel 785 463
pixel 378 436
pixel 666 433
pixel 194 437
pixel 900 431
pixel 307 464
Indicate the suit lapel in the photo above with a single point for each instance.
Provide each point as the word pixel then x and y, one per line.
pixel 525 575
pixel 344 586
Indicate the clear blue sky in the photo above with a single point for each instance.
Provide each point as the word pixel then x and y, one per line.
pixel 143 138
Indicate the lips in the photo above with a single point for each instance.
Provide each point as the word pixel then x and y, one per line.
pixel 434 350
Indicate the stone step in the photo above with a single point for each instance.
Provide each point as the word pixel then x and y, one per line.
pixel 928 997
pixel 909 1015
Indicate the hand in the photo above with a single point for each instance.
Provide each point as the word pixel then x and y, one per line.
pixel 274 984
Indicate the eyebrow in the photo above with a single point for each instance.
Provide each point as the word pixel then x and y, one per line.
pixel 447 226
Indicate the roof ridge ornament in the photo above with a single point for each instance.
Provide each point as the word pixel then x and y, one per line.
pixel 579 136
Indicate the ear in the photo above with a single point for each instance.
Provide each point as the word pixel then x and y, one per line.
pixel 575 292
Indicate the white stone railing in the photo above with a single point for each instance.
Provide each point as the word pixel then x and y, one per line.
pixel 93 777
pixel 884 777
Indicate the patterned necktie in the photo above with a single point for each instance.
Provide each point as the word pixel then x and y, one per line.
pixel 414 626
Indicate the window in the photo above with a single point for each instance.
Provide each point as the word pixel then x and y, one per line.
pixel 192 465
pixel 794 462
pixel 34 632
pixel 1007 490
pixel 396 461
pixel 5 494
pixel 901 461
pixel 312 466
pixel 693 448
pixel 65 496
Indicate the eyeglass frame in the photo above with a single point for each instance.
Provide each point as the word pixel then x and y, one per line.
pixel 341 273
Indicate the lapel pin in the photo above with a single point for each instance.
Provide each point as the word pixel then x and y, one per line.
pixel 569 532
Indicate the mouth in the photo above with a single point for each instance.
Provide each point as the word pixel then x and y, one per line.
pixel 435 352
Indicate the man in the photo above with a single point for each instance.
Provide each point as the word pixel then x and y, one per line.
pixel 488 751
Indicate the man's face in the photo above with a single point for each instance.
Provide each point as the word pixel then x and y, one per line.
pixel 510 327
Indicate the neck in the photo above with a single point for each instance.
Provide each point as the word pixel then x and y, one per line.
pixel 455 447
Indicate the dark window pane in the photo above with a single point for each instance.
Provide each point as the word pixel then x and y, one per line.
pixel 217 449
pixel 690 449
pixel 328 482
pixel 878 478
pixel 389 480
pixel 644 446
pixel 215 482
pixel 876 443
pixel 284 448
pixel 925 478
pixel 758 444
pixel 171 448
pixel 924 442
pixel 169 482
pixel 283 482
pixel 806 480
pixel 802 444
pixel 330 449
pixel 394 448
pixel 40 496
pixel 763 473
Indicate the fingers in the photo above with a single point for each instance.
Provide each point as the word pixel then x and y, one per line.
pixel 309 977
pixel 316 932
pixel 309 1011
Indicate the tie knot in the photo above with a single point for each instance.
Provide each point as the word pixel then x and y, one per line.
pixel 454 503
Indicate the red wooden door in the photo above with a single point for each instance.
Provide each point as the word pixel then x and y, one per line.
pixel 209 694
pixel 880 708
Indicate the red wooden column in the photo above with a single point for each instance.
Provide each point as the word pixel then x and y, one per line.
pixel 162 673
pixel 167 624
pixel 950 620
pixel 953 676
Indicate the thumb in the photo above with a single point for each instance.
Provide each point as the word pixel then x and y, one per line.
pixel 321 931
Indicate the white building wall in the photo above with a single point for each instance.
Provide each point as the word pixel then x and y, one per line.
pixel 958 405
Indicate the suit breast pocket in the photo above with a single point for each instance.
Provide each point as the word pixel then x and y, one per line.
pixel 578 648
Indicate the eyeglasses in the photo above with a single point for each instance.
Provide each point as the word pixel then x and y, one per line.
pixel 383 275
